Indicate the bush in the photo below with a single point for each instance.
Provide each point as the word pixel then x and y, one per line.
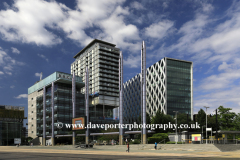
pixel 171 142
pixel 158 137
pixel 136 141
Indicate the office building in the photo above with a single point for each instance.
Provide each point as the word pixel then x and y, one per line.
pixel 102 59
pixel 11 124
pixel 62 85
pixel 169 86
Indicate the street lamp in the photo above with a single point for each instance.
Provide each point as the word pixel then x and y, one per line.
pixel 206 122
pixel 176 124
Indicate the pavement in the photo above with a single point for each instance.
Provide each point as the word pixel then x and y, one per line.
pixel 101 152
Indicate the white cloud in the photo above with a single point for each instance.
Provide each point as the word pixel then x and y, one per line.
pixel 21 96
pixel 12 86
pixel 1 73
pixel 118 32
pixel 230 74
pixel 27 20
pixel 136 5
pixel 7 62
pixel 9 73
pixel 207 7
pixel 191 30
pixel 221 81
pixel 223 41
pixel 15 50
pixel 42 56
pixel 223 66
pixel 165 5
pixel 227 98
pixel 132 61
pixel 159 30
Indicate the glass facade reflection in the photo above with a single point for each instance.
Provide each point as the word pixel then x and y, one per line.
pixel 62 108
pixel 11 124
pixel 178 86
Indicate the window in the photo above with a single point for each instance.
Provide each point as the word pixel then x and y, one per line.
pixel 32 125
pixel 32 131
pixel 32 105
pixel 32 118
pixel 32 98
pixel 32 111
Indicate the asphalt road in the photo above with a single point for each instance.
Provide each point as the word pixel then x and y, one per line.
pixel 56 156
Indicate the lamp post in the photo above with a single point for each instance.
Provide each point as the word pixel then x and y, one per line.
pixel 202 133
pixel 176 124
pixel 206 122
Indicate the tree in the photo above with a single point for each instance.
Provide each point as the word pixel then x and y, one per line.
pixel 29 139
pixel 161 118
pixel 148 118
pixel 236 121
pixel 201 117
pixel 226 118
pixel 183 118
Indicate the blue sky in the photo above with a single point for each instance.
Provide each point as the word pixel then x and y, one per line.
pixel 43 36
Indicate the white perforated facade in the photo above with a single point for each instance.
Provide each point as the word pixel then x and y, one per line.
pixel 177 97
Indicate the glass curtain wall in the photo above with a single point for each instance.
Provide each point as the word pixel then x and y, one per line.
pixel 62 108
pixel 9 131
pixel 178 87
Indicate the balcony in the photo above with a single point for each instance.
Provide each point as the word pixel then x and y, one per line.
pixel 108 54
pixel 105 66
pixel 108 58
pixel 108 84
pixel 108 76
pixel 108 71
pixel 108 80
pixel 109 89
pixel 108 62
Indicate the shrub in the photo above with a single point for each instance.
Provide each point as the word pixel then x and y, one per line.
pixel 158 137
pixel 136 141
pixel 171 142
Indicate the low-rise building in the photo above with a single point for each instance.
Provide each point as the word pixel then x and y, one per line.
pixel 11 124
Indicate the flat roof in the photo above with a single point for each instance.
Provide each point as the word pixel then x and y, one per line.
pixel 91 43
pixel 10 107
pixel 178 60
pixel 55 77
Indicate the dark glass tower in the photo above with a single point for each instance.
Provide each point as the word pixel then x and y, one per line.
pixel 179 86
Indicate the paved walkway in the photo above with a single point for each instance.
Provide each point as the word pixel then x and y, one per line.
pixel 102 151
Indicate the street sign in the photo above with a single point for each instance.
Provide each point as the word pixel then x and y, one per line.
pixel 208 129
pixel 17 140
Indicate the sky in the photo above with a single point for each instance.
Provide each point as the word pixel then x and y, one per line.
pixel 43 36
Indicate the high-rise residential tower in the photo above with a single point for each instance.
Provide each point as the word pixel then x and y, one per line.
pixel 102 60
pixel 169 86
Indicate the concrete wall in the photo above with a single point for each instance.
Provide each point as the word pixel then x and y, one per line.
pixel 32 114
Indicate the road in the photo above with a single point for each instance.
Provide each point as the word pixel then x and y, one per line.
pixel 48 156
